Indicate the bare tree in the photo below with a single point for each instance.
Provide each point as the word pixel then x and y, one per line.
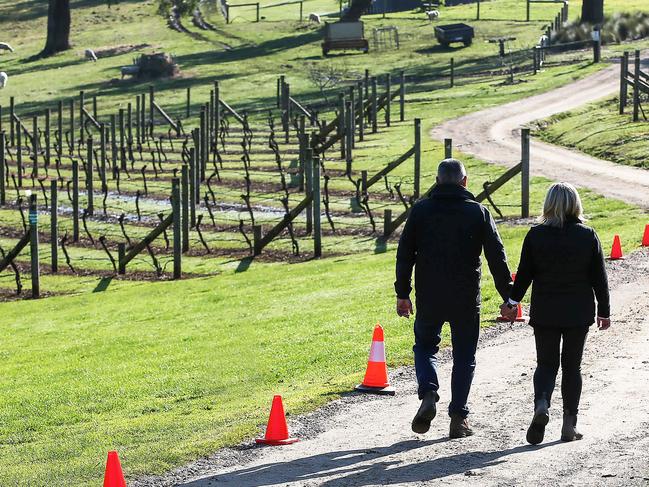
pixel 58 27
pixel 325 77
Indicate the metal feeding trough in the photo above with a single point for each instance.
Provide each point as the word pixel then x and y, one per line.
pixel 446 34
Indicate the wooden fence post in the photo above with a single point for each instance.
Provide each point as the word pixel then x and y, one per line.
pixel 48 152
pixel 113 143
pixel 19 154
pixel 129 123
pixel 121 253
pixel 375 126
pixel 192 186
pixel 527 16
pixel 636 87
pixel 477 15
pixel 402 96
pixel 175 203
pixel 349 135
pixel 417 158
pixel 3 194
pixel 388 89
pixel 361 113
pixel 138 116
pixel 54 234
pixel 33 247
pixel 185 205
pixel 75 200
pixel 217 111
pixel 448 148
pixel 387 222
pixel 525 173
pixel 12 109
pixel 94 106
pixel 59 129
pixel 151 113
pixel 624 72
pixel 452 72
pixel 309 188
pixel 89 178
pixel 352 117
pixel 341 124
pixel 122 141
pixel 81 117
pixel 257 11
pixel 35 148
pixel 102 156
pixel 72 128
pixel 317 230
pixel 188 108
pixel 202 156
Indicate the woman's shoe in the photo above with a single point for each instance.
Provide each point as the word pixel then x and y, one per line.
pixel 536 431
pixel 569 430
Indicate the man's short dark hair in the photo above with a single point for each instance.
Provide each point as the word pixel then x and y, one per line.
pixel 450 171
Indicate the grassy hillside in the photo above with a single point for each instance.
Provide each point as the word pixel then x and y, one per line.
pixel 168 371
pixel 599 130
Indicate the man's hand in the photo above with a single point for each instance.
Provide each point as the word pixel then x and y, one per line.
pixel 603 323
pixel 508 313
pixel 404 307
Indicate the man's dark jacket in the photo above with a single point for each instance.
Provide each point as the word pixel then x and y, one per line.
pixel 566 266
pixel 443 238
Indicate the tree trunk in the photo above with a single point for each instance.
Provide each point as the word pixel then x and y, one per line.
pixel 58 27
pixel 592 11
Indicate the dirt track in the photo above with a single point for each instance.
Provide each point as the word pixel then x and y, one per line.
pixel 366 440
pixel 493 135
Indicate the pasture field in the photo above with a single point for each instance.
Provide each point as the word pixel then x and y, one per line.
pixel 165 372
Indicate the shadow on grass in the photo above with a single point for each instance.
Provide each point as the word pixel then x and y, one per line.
pixel 366 466
pixel 244 264
pixel 103 284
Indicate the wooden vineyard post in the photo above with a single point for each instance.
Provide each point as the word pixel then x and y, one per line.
pixel 448 148
pixel 54 234
pixel 402 96
pixel 142 114
pixel 217 110
pixel 256 238
pixel 636 87
pixel 151 101
pixel 33 247
pixel 452 72
pixel 113 144
pixel 527 16
pixel 121 253
pixel 185 205
pixel 388 88
pixel 341 124
pixel 89 178
pixel 129 123
pixel 175 203
pixel 352 117
pixel 81 117
pixel 204 144
pixel 102 156
pixel 477 14
pixel 317 229
pixel 19 154
pixel 72 129
pixel 309 189
pixel 624 72
pixel 75 200
pixel 417 158
pixel 375 126
pixel 192 186
pixel 525 173
pixel 349 135
pixel 48 153
pixel 188 105
pixel 138 109
pixel 122 141
pixel 387 222
pixel 3 194
pixel 361 113
pixel 94 106
pixel 286 98
pixel 12 134
pixel 59 130
pixel 35 147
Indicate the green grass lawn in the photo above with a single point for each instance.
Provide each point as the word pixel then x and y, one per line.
pixel 599 130
pixel 167 371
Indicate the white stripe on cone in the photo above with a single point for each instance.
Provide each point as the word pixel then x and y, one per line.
pixel 377 352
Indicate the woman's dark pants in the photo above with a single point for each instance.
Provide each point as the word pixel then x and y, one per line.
pixel 550 354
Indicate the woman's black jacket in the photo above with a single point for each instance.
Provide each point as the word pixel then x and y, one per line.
pixel 566 267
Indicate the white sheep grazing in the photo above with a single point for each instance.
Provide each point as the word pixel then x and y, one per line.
pixel 544 41
pixel 6 47
pixel 432 14
pixel 90 55
pixel 3 79
pixel 314 18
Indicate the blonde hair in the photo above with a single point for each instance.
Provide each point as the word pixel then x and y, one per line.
pixel 561 203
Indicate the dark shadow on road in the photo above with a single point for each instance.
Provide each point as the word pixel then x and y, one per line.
pixel 360 467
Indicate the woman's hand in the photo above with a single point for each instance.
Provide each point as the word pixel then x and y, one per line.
pixel 603 323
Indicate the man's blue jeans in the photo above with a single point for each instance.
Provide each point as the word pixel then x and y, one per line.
pixel 465 331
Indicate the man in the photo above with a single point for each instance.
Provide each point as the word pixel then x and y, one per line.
pixel 443 238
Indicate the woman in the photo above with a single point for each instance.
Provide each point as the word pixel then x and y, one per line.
pixel 562 259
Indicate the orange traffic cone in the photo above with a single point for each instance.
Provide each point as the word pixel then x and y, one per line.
pixel 114 477
pixel 616 251
pixel 376 375
pixel 519 310
pixel 645 237
pixel 276 430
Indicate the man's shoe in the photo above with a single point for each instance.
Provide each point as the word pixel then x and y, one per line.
pixel 536 431
pixel 569 430
pixel 427 412
pixel 459 427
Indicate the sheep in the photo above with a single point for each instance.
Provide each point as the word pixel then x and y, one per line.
pixel 6 47
pixel 3 79
pixel 129 71
pixel 90 55
pixel 544 41
pixel 432 14
pixel 314 18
